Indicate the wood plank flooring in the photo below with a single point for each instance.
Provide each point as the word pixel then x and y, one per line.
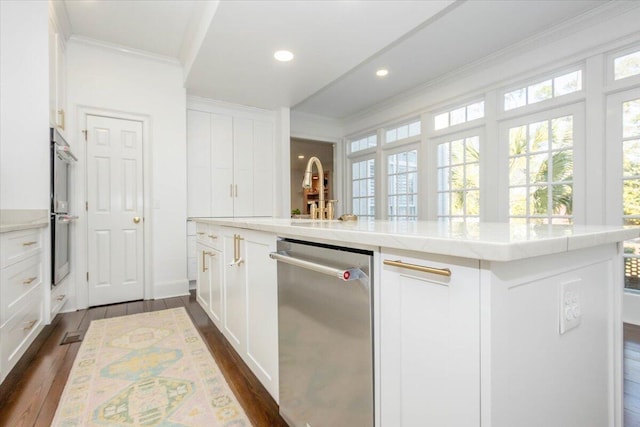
pixel 29 395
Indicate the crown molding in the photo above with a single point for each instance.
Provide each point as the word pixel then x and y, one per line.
pixel 124 49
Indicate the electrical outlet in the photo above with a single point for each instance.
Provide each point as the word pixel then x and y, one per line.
pixel 570 305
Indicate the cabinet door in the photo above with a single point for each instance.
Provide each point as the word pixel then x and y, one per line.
pixel 262 309
pixel 199 166
pixel 216 275
pixel 61 84
pixel 222 195
pixel 429 343
pixel 243 158
pixel 263 168
pixel 203 285
pixel 234 312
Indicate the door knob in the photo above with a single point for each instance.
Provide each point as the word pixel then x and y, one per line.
pixel 136 219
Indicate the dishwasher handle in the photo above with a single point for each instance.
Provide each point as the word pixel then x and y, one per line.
pixel 346 275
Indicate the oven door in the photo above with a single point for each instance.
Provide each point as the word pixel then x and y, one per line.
pixel 60 256
pixel 59 182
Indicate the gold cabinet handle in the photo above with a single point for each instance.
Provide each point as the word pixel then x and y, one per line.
pixel 213 236
pixel 29 280
pixel 230 190
pixel 201 233
pixel 61 115
pixel 30 325
pixel 136 219
pixel 204 262
pixel 237 260
pixel 236 190
pixel 60 297
pixel 415 267
pixel 29 243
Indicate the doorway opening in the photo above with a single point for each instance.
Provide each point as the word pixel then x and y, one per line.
pixel 301 151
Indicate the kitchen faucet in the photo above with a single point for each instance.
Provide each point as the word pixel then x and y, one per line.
pixel 306 183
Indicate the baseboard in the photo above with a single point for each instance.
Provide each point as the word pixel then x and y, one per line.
pixel 175 288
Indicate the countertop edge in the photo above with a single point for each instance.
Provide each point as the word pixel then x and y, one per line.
pixel 450 246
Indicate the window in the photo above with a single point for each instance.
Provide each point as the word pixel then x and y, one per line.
pixel 541 171
pixel 631 188
pixel 402 190
pixel 459 179
pixel 403 131
pixel 543 90
pixel 364 143
pixel 626 66
pixel 363 188
pixel 459 115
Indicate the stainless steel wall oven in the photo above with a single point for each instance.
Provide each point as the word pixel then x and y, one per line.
pixel 61 158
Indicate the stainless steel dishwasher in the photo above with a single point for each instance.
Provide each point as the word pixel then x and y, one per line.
pixel 325 335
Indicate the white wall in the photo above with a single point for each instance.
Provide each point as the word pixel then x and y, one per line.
pixel 316 128
pixel 24 105
pixel 106 79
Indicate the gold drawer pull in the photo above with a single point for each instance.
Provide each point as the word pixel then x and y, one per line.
pixel 30 325
pixel 29 243
pixel 211 253
pixel 201 232
pixel 213 236
pixel 398 263
pixel 29 280
pixel 60 297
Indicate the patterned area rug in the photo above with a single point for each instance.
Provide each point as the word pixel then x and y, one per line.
pixel 148 369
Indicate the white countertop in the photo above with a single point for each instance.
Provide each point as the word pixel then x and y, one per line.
pixel 484 241
pixel 23 219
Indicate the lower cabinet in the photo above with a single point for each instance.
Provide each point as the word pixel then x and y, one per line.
pixel 429 340
pixel 237 286
pixel 22 278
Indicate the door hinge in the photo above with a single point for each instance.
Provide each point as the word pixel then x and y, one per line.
pixel 86 206
pixel 85 134
pixel 87 276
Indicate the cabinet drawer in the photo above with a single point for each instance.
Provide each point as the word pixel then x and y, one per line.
pixel 20 330
pixel 17 280
pixel 59 297
pixel 19 245
pixel 208 235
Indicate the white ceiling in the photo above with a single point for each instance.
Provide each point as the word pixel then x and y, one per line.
pixel 338 44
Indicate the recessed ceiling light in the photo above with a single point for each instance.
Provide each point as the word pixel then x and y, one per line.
pixel 301 156
pixel 382 72
pixel 283 55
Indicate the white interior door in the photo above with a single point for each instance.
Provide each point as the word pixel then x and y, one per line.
pixel 115 209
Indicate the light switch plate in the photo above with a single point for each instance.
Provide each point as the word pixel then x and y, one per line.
pixel 570 307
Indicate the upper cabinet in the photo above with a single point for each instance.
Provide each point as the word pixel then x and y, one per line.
pixel 57 76
pixel 230 163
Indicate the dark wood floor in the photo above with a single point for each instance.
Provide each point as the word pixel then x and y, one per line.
pixel 29 395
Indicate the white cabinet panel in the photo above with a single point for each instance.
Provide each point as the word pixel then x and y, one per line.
pixel 262 309
pixel 222 196
pixel 199 170
pixel 234 292
pixel 430 343
pixel 216 289
pixel 263 176
pixel 203 284
pixel 230 165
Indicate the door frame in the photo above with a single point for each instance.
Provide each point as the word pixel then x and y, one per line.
pixel 79 190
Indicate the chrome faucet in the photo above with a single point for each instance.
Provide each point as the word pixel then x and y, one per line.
pixel 306 183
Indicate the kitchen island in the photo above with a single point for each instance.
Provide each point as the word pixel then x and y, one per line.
pixel 474 324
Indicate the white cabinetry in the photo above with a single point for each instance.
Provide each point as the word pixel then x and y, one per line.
pixel 429 342
pixel 239 285
pixel 21 294
pixel 230 164
pixel 57 75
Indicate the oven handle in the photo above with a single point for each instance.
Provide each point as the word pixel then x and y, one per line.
pixel 66 219
pixel 66 154
pixel 346 275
